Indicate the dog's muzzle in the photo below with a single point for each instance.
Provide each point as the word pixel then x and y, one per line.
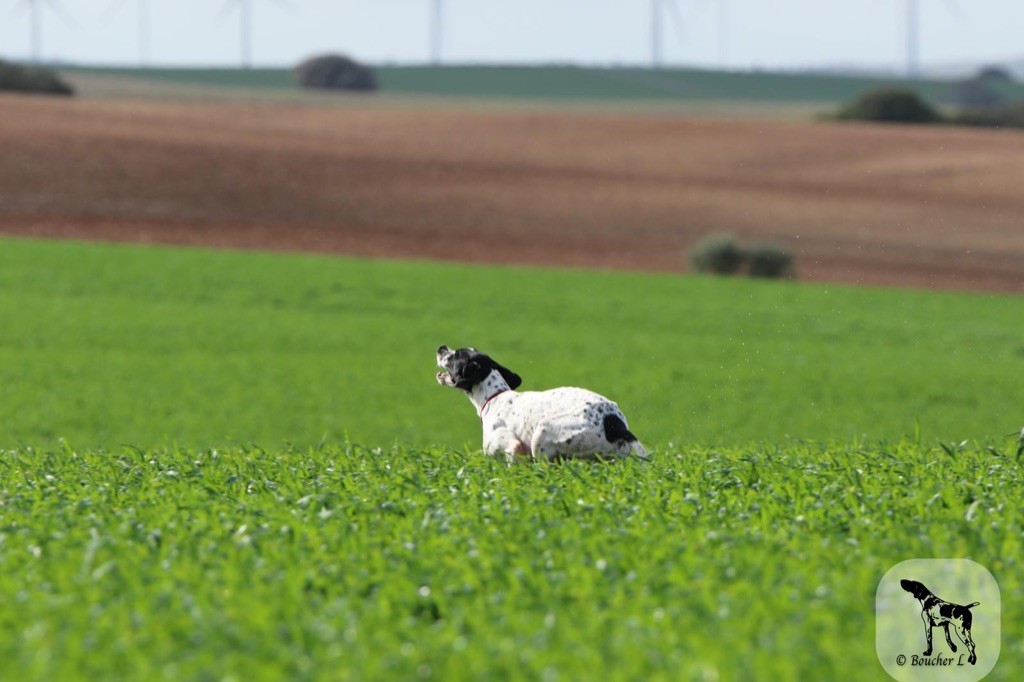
pixel 443 377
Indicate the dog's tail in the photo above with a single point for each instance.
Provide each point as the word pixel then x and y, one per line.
pixel 639 452
pixel 972 605
pixel 618 434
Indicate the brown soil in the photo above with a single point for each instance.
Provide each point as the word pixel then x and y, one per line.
pixel 922 207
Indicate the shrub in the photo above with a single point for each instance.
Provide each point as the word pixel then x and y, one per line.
pixel 17 78
pixel 890 106
pixel 769 260
pixel 718 254
pixel 976 92
pixel 335 72
pixel 995 73
pixel 988 101
pixel 993 117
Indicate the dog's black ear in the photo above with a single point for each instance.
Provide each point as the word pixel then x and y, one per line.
pixel 513 380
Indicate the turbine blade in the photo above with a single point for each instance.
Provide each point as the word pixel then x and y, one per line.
pixel 678 25
pixel 62 12
pixel 701 8
pixel 226 9
pixel 288 5
pixel 113 7
pixel 955 9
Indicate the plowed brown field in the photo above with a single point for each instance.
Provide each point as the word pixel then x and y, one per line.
pixel 923 207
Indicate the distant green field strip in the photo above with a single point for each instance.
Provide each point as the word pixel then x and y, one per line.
pixel 576 83
pixel 639 84
pixel 245 78
pixel 108 345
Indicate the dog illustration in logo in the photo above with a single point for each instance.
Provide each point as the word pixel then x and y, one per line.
pixel 936 612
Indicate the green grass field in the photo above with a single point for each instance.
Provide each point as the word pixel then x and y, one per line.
pixel 350 564
pixel 114 345
pixel 569 83
pixel 260 479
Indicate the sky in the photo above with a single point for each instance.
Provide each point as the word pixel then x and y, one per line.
pixel 759 34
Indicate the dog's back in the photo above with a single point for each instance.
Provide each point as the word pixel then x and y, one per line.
pixel 573 421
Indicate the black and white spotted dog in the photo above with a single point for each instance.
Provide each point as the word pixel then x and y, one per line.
pixel 937 612
pixel 561 423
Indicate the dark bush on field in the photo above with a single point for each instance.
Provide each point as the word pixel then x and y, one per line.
pixel 992 86
pixel 335 72
pixel 889 106
pixel 976 92
pixel 992 107
pixel 993 117
pixel 717 254
pixel 996 74
pixel 769 260
pixel 17 78
pixel 720 254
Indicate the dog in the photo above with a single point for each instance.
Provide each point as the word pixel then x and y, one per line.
pixel 936 612
pixel 561 423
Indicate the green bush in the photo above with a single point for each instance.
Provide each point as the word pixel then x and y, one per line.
pixel 995 74
pixel 717 254
pixel 889 106
pixel 1011 116
pixel 976 92
pixel 992 86
pixel 335 72
pixel 720 254
pixel 17 78
pixel 765 259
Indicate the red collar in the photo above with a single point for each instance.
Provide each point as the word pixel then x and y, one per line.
pixel 488 401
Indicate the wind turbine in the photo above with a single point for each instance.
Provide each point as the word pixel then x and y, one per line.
pixel 723 31
pixel 144 27
pixel 913 25
pixel 913 37
pixel 36 11
pixel 656 29
pixel 436 32
pixel 245 23
pixel 723 26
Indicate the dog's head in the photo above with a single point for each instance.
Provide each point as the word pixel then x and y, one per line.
pixel 466 367
pixel 915 588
